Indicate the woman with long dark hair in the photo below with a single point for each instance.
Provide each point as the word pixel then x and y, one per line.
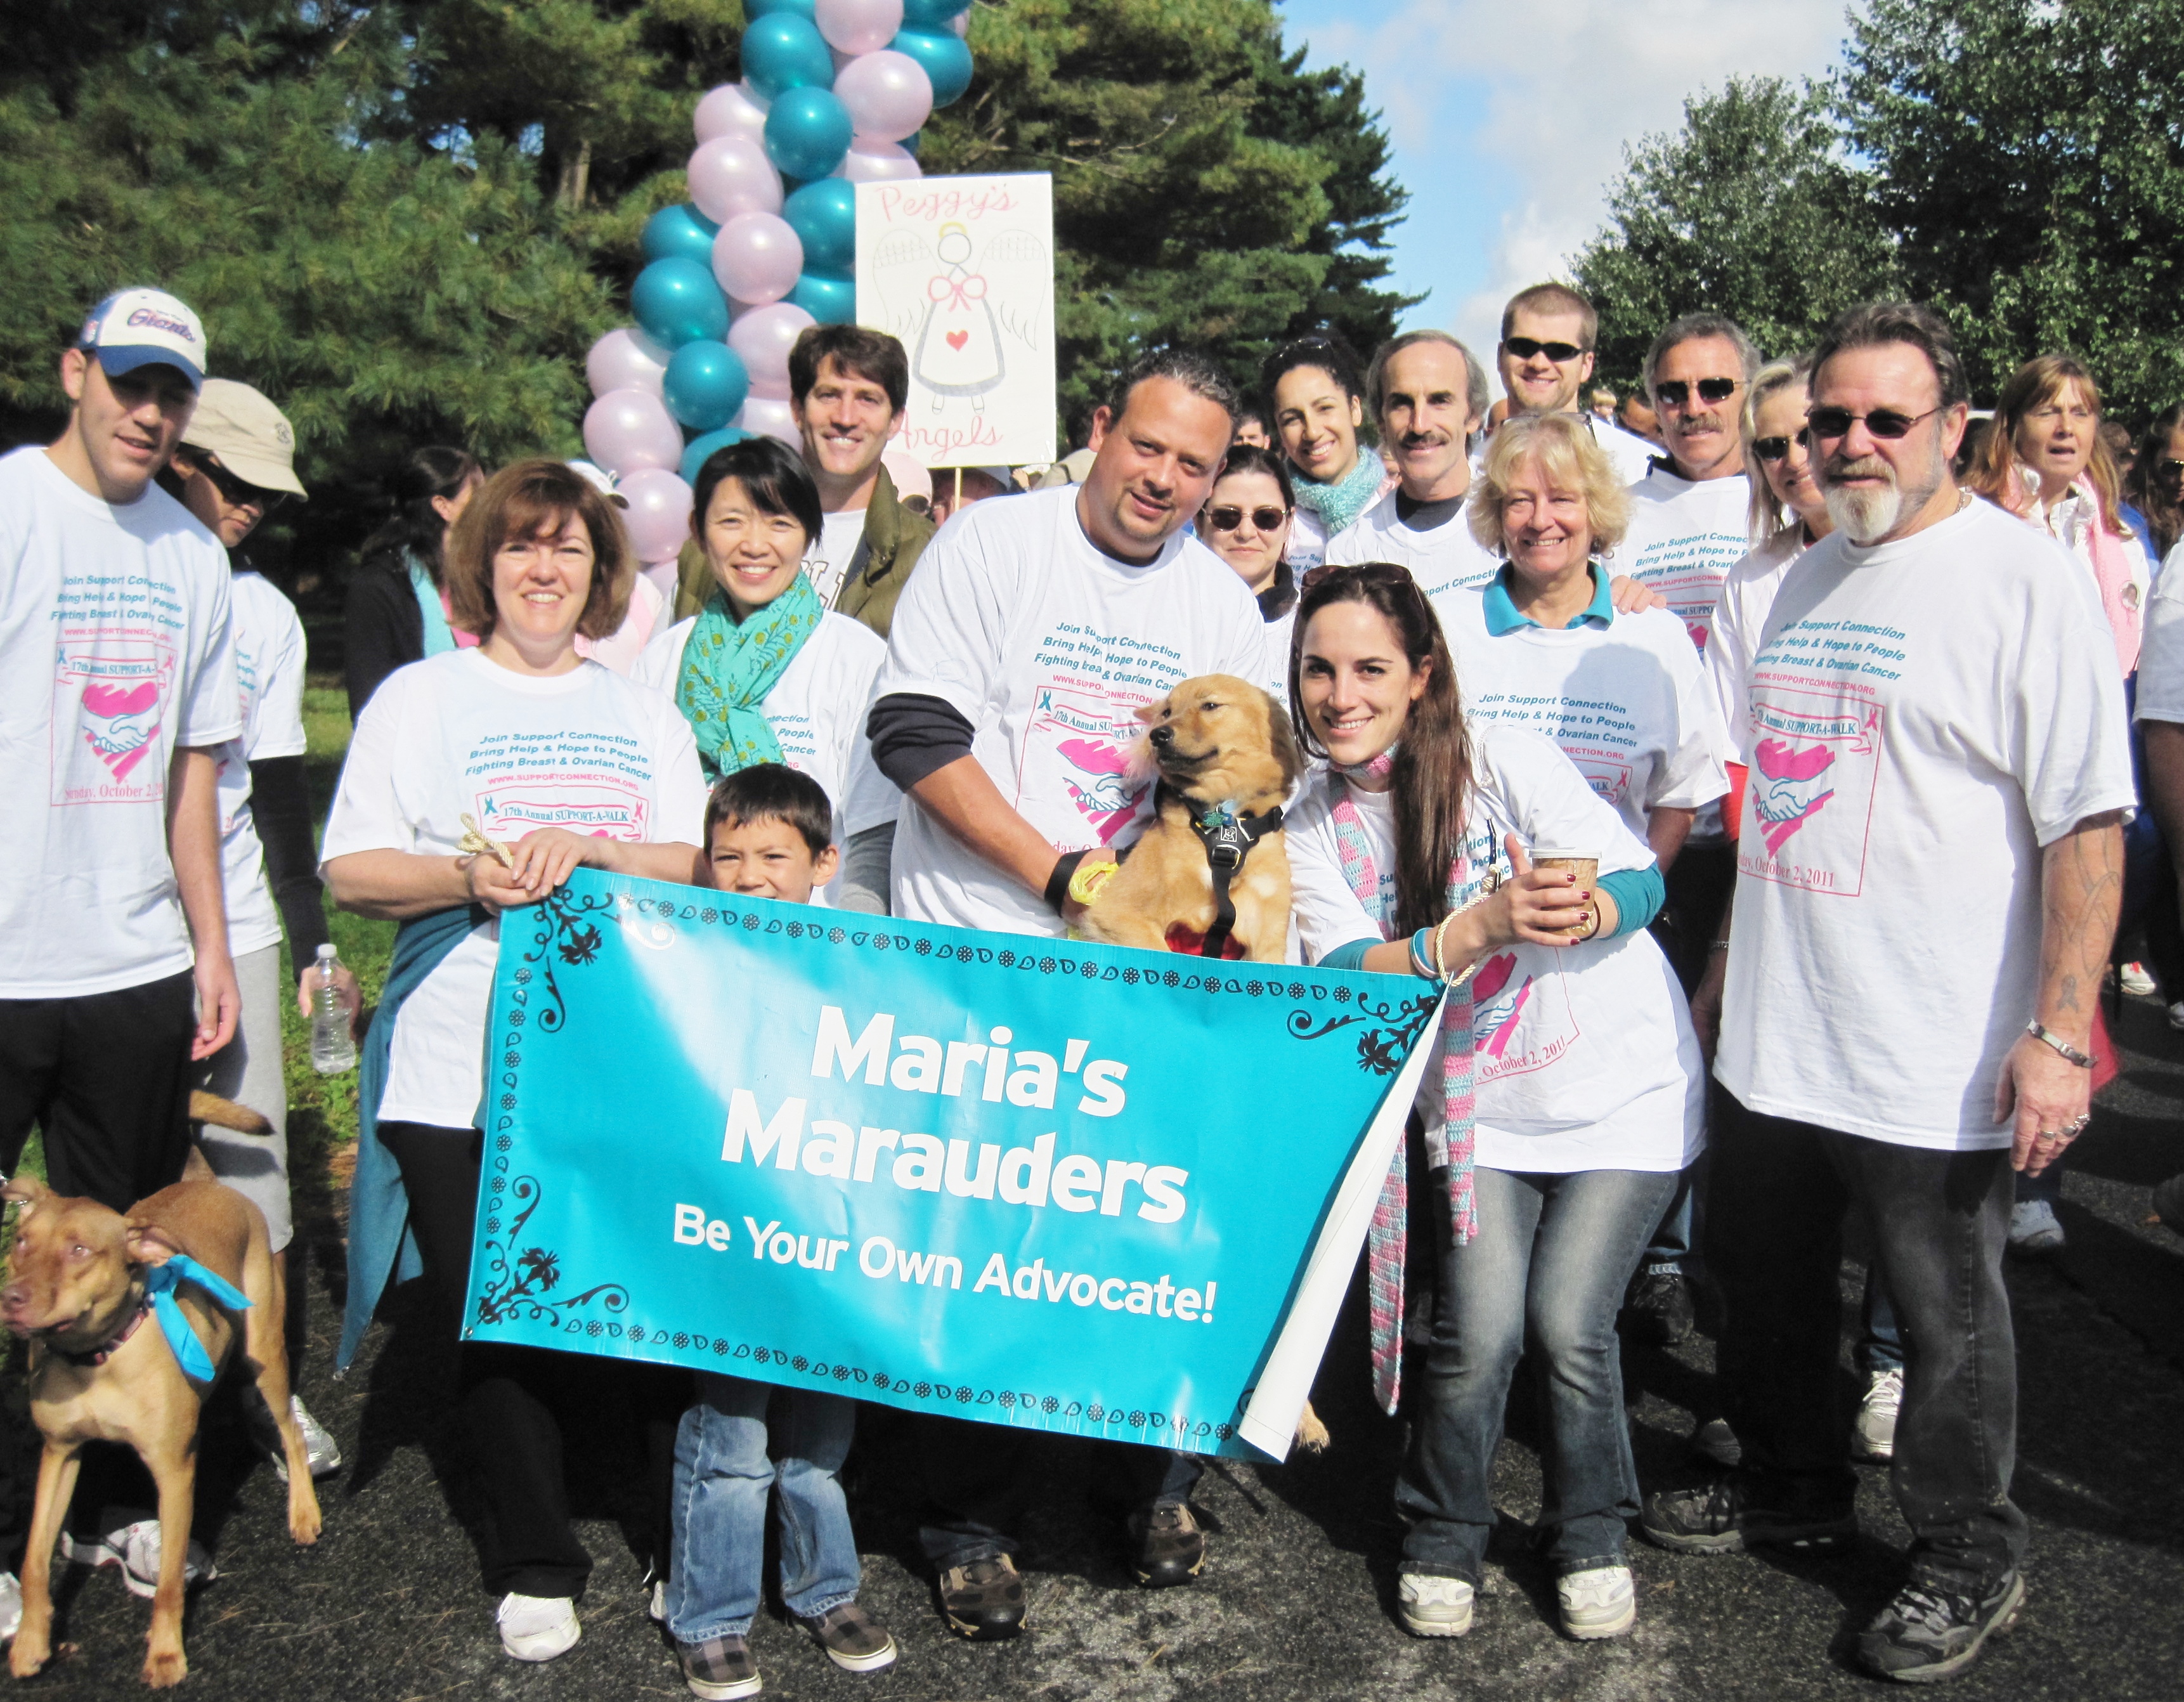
pixel 1319 406
pixel 2155 484
pixel 1565 1100
pixel 398 598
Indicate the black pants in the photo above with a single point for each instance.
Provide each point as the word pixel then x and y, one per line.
pixel 1773 1238
pixel 978 1479
pixel 106 1078
pixel 515 1403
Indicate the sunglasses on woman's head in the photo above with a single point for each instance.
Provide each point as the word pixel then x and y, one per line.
pixel 1882 422
pixel 1525 348
pixel 1676 391
pixel 1226 518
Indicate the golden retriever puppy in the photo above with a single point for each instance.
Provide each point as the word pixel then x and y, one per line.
pixel 1226 761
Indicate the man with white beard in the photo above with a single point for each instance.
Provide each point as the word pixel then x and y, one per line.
pixel 1928 869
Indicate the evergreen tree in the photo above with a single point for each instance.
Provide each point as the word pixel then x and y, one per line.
pixel 1750 210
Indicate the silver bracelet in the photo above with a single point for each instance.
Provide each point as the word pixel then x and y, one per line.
pixel 2061 1045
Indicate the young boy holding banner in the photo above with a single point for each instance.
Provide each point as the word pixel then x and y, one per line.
pixel 769 833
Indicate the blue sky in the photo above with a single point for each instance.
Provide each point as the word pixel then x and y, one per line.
pixel 1507 167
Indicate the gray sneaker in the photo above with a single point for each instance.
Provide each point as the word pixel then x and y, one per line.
pixel 719 1669
pixel 133 1546
pixel 1431 1605
pixel 319 1448
pixel 11 1605
pixel 1929 1633
pixel 1876 1416
pixel 2034 1231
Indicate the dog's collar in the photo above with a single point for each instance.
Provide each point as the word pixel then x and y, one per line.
pixel 1228 838
pixel 99 1354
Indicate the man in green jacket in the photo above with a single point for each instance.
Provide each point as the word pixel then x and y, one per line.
pixel 849 387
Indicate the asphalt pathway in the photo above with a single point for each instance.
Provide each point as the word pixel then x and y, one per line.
pixel 1295 1600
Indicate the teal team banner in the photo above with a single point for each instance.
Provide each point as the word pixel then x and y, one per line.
pixel 1024 1180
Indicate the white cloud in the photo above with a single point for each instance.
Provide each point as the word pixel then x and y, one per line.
pixel 1568 84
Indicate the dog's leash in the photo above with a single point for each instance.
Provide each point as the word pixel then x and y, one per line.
pixel 1228 838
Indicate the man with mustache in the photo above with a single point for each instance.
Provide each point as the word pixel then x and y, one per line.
pixel 1911 984
pixel 1689 516
pixel 117 690
pixel 1020 651
pixel 1429 397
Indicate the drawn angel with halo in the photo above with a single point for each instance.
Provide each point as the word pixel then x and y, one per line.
pixel 962 309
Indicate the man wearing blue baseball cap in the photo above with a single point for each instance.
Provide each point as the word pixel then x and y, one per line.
pixel 118 687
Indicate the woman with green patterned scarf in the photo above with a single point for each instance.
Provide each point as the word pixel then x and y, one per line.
pixel 762 672
pixel 1318 406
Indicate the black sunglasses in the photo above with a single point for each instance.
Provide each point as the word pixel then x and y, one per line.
pixel 2169 470
pixel 1227 518
pixel 1882 422
pixel 1676 392
pixel 236 492
pixel 1525 348
pixel 1775 448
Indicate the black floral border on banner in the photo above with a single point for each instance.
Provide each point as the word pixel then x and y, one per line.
pixel 569 939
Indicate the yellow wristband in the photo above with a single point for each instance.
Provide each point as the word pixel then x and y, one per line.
pixel 1085 885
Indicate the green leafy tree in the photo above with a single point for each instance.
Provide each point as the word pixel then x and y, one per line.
pixel 1751 210
pixel 2030 158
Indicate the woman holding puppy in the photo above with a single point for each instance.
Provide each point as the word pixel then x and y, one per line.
pixel 1566 1097
pixel 477 780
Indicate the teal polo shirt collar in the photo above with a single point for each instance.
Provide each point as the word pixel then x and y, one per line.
pixel 1503 618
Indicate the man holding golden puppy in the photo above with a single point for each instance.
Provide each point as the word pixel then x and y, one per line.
pixel 1034 631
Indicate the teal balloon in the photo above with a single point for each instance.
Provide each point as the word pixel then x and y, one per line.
pixel 807 132
pixel 945 56
pixel 784 50
pixel 755 9
pixel 923 15
pixel 700 450
pixel 824 216
pixel 676 302
pixel 705 383
pixel 680 233
pixel 830 300
pixel 910 143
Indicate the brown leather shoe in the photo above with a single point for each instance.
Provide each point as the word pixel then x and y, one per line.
pixel 1171 1547
pixel 984 1600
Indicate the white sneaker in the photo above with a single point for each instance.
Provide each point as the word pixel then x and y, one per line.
pixel 2034 1230
pixel 2176 1014
pixel 11 1605
pixel 656 1609
pixel 1432 1606
pixel 1599 1603
pixel 135 1549
pixel 1877 1413
pixel 537 1627
pixel 2133 978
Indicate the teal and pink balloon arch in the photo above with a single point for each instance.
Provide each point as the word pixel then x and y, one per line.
pixel 833 94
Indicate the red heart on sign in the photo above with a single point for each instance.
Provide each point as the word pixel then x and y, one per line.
pixel 956 339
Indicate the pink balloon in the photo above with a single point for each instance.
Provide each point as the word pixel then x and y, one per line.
pixel 626 358
pixel 731 110
pixel 887 94
pixel 658 519
pixel 729 175
pixel 871 160
pixel 961 24
pixel 771 415
pixel 858 26
pixel 629 430
pixel 763 337
pixel 757 257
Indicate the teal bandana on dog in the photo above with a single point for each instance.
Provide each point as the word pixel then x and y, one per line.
pixel 159 1284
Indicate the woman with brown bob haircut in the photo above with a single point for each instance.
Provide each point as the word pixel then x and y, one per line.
pixel 476 783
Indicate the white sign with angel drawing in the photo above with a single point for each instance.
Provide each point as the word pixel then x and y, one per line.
pixel 962 269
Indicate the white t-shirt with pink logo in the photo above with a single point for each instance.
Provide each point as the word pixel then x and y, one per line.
pixel 458 734
pixel 269 670
pixel 115 650
pixel 1923 717
pixel 1586 1056
pixel 1740 615
pixel 1048 648
pixel 1627 702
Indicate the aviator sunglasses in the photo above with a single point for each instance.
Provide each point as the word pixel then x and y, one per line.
pixel 238 493
pixel 1525 348
pixel 1677 393
pixel 1227 519
pixel 1882 422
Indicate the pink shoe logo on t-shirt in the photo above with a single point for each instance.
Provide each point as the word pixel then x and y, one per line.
pixel 1495 1018
pixel 1796 786
pixel 123 722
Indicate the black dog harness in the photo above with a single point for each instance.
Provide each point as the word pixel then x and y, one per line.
pixel 1228 839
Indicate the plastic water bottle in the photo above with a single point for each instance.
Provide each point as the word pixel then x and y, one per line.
pixel 333 1048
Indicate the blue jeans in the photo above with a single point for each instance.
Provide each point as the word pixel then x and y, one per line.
pixel 1880 1338
pixel 721 1478
pixel 1551 1260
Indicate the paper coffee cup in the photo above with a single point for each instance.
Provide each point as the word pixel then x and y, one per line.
pixel 1585 867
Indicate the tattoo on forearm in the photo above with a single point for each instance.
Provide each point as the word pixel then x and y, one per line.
pixel 2081 893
